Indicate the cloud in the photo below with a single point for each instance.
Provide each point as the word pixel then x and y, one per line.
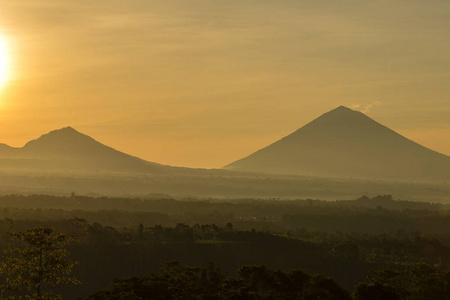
pixel 365 108
pixel 355 106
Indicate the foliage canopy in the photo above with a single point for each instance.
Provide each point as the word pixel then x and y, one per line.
pixel 37 263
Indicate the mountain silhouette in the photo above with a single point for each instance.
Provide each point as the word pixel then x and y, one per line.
pixel 346 143
pixel 68 149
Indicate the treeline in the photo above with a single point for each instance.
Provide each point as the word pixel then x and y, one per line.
pixel 380 214
pixel 177 282
pixel 378 220
pixel 166 204
pixel 350 246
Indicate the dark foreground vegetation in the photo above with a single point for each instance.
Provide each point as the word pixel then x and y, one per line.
pixel 175 281
pixel 364 247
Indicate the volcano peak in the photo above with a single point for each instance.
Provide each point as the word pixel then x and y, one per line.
pixel 348 144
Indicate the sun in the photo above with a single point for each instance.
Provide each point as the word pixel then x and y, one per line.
pixel 4 61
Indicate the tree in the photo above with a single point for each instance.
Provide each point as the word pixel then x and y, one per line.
pixel 38 262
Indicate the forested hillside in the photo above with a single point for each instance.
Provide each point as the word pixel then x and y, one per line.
pixel 344 240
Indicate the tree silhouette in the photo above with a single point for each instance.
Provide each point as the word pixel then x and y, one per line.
pixel 38 262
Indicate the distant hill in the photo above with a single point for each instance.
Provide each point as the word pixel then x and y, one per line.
pixel 348 144
pixel 69 150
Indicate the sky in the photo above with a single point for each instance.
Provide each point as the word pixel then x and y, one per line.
pixel 202 83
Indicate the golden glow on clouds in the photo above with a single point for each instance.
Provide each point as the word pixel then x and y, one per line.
pixel 4 61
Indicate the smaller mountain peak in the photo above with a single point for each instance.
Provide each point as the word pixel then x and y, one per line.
pixel 64 135
pixel 67 128
pixel 65 131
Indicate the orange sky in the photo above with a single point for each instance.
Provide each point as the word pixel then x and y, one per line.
pixel 202 83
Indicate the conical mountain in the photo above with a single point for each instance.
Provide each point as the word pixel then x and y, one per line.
pixel 68 149
pixel 348 144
